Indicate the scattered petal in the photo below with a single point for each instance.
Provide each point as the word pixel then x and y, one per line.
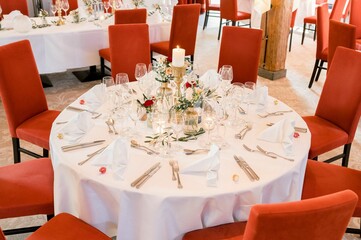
pixel 102 170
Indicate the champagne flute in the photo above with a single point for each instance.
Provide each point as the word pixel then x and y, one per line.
pixel 65 6
pixel 106 5
pixel 209 123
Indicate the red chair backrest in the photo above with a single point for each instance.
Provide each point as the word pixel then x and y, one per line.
pixel 355 16
pixel 340 101
pixel 184 27
pixel 241 48
pixel 293 18
pixel 129 45
pixel 20 84
pixel 337 10
pixel 128 16
pixel 323 25
pixel 323 217
pixel 229 9
pixel 341 34
pixel 8 6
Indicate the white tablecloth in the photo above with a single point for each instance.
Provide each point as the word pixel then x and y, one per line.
pixel 159 210
pixel 58 48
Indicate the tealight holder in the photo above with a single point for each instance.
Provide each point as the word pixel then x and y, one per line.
pixel 178 73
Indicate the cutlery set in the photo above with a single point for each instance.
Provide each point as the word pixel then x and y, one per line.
pixel 175 171
pixel 246 168
pixel 266 153
pixel 110 123
pixel 95 114
pixel 81 145
pixel 297 129
pixel 91 155
pixel 277 113
pixel 137 183
pixel 135 144
pixel 244 131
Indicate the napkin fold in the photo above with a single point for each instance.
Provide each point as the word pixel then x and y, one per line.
pixel 77 127
pixel 209 165
pixel 95 97
pixel 281 132
pixel 7 22
pixel 210 79
pixel 115 155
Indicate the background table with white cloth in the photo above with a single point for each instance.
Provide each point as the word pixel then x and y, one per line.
pixel 159 210
pixel 58 48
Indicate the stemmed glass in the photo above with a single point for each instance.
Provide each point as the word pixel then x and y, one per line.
pixel 226 75
pixel 65 6
pixel 209 122
pixel 177 124
pixel 121 82
pixel 249 90
pixel 53 9
pixel 106 5
pixel 140 73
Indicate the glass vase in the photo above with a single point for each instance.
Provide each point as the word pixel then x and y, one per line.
pixel 164 92
pixel 190 121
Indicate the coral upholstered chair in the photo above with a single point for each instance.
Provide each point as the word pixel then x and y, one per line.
pixel 26 189
pixel 324 217
pixel 243 56
pixel 292 24
pixel 129 45
pixel 323 26
pixel 341 34
pixel 9 6
pixel 23 97
pixel 229 11
pixel 65 227
pixel 322 179
pixel 124 16
pixel 355 19
pixel 339 108
pixel 183 32
pixel 211 10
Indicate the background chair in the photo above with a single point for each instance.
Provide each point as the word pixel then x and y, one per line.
pixel 65 227
pixel 183 32
pixel 323 26
pixel 229 11
pixel 9 6
pixel 322 179
pixel 292 24
pixel 23 97
pixel 355 19
pixel 126 16
pixel 339 108
pixel 329 214
pixel 212 10
pixel 341 34
pixel 26 189
pixel 129 45
pixel 243 56
pixel 336 14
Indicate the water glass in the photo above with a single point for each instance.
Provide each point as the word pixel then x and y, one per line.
pixel 226 75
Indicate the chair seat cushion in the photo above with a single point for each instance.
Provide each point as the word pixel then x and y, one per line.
pixel 310 19
pixel 324 178
pixel 358 44
pixel 36 130
pixel 67 227
pixel 105 53
pixel 325 136
pixel 160 47
pixel 214 7
pixel 243 16
pixel 230 231
pixel 26 188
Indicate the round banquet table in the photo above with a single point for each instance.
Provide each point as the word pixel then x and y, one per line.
pixel 159 210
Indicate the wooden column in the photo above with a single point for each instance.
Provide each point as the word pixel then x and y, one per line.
pixel 276 28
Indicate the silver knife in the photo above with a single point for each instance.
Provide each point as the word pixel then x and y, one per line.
pixel 81 109
pixel 90 156
pixel 81 145
pixel 147 177
pixel 145 174
pixel 244 165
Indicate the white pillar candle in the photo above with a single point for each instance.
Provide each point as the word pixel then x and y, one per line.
pixel 178 57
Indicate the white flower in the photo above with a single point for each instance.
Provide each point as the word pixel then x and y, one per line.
pixel 189 94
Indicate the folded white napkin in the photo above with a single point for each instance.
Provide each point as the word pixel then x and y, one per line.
pixel 210 79
pixel 115 155
pixel 77 127
pixel 95 97
pixel 7 22
pixel 281 132
pixel 209 165
pixel 262 97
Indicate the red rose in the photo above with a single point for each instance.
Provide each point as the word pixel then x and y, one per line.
pixel 148 103
pixel 188 84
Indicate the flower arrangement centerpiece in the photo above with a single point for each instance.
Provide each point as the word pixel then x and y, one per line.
pixel 89 6
pixel 148 104
pixel 75 15
pixel 163 74
pixel 156 8
pixel 138 3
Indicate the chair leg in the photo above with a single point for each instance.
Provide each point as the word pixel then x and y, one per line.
pixel 205 20
pixel 314 33
pixel 45 153
pixel 220 27
pixel 303 33
pixel 192 59
pixel 346 154
pixel 16 150
pixel 102 66
pixel 290 44
pixel 319 70
pixel 233 23
pixel 313 73
pixel 49 216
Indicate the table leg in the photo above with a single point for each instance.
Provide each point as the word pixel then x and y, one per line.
pixel 88 75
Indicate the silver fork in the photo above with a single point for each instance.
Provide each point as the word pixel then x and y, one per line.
pixel 254 150
pixel 176 169
pixel 191 151
pixel 244 131
pixel 274 154
pixel 278 113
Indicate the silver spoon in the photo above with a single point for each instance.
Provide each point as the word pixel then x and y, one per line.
pixel 109 129
pixel 111 122
pixel 176 169
pixel 136 144
pixel 171 163
pixel 193 151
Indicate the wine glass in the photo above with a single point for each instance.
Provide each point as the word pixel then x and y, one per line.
pixel 249 91
pixel 53 9
pixel 209 122
pixel 121 83
pixel 106 5
pixel 65 6
pixel 140 75
pixel 177 123
pixel 1 10
pixel 226 75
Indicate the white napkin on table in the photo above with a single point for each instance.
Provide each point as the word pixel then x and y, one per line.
pixel 115 155
pixel 210 79
pixel 209 165
pixel 95 97
pixel 281 132
pixel 77 127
